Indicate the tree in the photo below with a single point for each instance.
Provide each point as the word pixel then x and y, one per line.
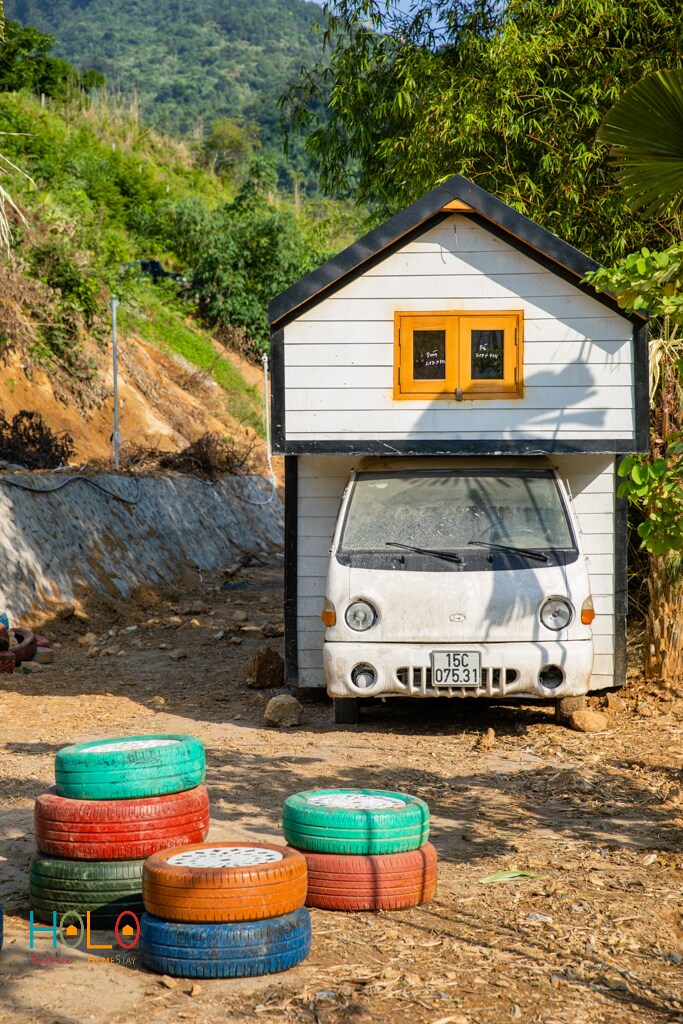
pixel 230 143
pixel 508 95
pixel 26 63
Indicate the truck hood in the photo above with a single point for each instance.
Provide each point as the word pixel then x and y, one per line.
pixel 457 607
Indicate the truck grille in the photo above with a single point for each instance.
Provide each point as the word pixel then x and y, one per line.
pixel 416 681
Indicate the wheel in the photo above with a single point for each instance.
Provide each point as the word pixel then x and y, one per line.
pixel 387 882
pixel 225 950
pixel 224 882
pixel 105 888
pixel 355 821
pixel 566 706
pixel 347 710
pixel 130 766
pixel 26 645
pixel 7 662
pixel 119 829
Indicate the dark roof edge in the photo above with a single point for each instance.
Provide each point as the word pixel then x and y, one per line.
pixel 333 272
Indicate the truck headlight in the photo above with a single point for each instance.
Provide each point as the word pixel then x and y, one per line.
pixel 360 615
pixel 556 613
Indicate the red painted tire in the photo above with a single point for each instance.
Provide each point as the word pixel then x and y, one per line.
pixel 391 881
pixel 119 829
pixel 42 641
pixel 4 638
pixel 7 661
pixel 26 645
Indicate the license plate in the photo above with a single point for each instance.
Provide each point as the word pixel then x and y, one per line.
pixel 456 668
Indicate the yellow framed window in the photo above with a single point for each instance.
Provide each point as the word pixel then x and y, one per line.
pixel 458 355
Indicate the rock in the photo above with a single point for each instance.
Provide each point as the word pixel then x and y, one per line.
pixel 163 647
pixel 152 622
pixel 584 786
pixel 615 703
pixel 66 611
pixel 44 656
pixel 174 620
pixel 266 669
pixel 30 666
pixel 168 982
pixel 283 710
pixel 89 638
pixel 196 608
pixel 93 652
pixel 236 640
pixel 219 635
pixel 177 655
pixel 240 615
pixel 196 990
pixel 588 721
pixel 195 623
pixel 486 741
pixel 273 629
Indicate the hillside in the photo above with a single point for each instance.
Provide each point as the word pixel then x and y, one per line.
pixel 190 62
pixel 106 196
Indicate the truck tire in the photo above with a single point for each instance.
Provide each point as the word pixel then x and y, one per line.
pixel 224 882
pixel 389 882
pixel 119 829
pixel 225 950
pixel 347 710
pixel 26 645
pixel 566 706
pixel 355 821
pixel 130 766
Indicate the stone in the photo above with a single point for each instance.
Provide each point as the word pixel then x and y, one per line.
pixel 195 623
pixel 283 710
pixel 615 703
pixel 66 611
pixel 174 620
pixel 486 741
pixel 177 655
pixel 266 669
pixel 273 629
pixel 240 615
pixel 30 666
pixel 44 656
pixel 589 721
pixel 89 638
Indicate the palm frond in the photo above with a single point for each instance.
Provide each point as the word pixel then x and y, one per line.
pixel 645 130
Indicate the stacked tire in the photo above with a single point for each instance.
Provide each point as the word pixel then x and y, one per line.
pixel 224 910
pixel 115 803
pixel 365 849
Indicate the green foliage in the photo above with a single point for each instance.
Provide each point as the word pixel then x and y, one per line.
pixel 247 252
pixel 52 262
pixel 229 144
pixel 645 129
pixel 509 95
pixel 26 63
pixel 188 63
pixel 656 488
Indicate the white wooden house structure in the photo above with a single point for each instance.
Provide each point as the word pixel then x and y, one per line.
pixel 574 387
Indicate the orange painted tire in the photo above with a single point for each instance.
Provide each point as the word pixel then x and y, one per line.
pixel 371 882
pixel 224 882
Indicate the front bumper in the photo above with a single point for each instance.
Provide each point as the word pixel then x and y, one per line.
pixel 508 669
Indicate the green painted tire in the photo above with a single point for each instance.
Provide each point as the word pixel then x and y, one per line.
pixel 105 888
pixel 130 766
pixel 355 821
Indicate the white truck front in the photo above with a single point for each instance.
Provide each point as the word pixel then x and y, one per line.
pixel 458 579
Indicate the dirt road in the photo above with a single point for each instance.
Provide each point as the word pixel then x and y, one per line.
pixel 596 937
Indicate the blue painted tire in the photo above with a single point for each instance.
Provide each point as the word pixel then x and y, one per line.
pixel 225 950
pixel 151 766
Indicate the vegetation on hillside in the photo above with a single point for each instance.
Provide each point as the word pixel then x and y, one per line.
pixel 192 63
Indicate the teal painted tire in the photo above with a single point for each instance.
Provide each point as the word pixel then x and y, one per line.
pixel 355 821
pixel 105 888
pixel 130 766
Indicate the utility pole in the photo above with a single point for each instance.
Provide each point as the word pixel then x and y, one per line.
pixel 116 437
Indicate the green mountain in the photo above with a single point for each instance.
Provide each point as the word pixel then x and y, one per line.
pixel 190 62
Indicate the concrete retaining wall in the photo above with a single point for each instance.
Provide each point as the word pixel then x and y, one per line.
pixel 52 546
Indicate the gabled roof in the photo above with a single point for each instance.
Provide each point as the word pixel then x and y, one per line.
pixel 455 195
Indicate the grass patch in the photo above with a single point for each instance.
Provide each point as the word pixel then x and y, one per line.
pixel 155 317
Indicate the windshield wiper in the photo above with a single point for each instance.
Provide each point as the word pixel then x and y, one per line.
pixel 538 555
pixel 447 556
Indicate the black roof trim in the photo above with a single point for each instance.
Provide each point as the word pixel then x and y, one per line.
pixel 533 239
pixel 541 446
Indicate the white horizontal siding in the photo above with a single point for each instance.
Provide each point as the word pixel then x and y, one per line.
pixel 577 354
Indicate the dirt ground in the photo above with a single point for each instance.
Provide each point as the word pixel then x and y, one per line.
pixel 596 937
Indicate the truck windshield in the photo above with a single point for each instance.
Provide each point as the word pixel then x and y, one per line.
pixel 456 511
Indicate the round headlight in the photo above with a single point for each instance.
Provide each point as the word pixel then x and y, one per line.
pixel 360 616
pixel 556 613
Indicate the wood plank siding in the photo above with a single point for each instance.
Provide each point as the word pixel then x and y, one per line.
pixel 577 355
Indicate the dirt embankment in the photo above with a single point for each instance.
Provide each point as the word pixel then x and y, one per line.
pixel 595 937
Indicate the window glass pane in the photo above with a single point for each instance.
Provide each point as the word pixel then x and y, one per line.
pixel 487 355
pixel 448 510
pixel 429 355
